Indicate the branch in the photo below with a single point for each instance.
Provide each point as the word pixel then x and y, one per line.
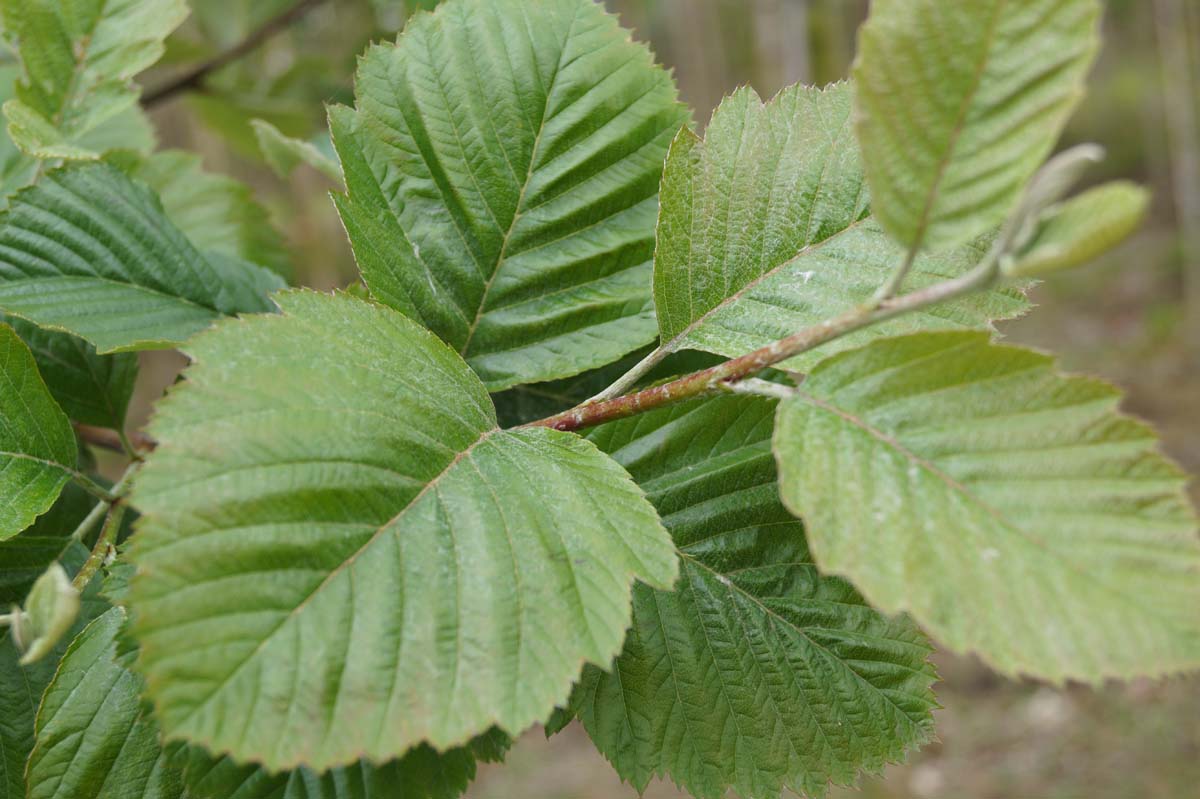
pixel 108 534
pixel 194 79
pixel 722 376
pixel 104 545
pixel 112 440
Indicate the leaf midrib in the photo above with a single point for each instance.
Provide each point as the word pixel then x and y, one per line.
pixel 962 490
pixel 677 340
pixel 959 124
pixel 339 569
pixel 732 586
pixel 518 209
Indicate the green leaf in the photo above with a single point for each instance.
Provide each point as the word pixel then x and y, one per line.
pixel 421 774
pixel 91 388
pixel 25 557
pixel 333 478
pixel 766 229
pixel 502 166
pixel 1010 509
pixel 21 688
pixel 1083 228
pixel 130 130
pixel 95 737
pixel 960 103
pixel 219 214
pixel 90 252
pixel 37 444
pixel 50 611
pixel 284 153
pixel 78 62
pixel 756 673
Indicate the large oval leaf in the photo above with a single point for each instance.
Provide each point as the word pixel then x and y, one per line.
pixel 959 104
pixel 502 169
pixel 1010 509
pixel 766 228
pixel 342 556
pixel 756 672
pixel 37 445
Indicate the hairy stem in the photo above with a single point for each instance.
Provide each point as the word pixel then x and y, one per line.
pixel 135 445
pixel 718 377
pixel 91 520
pixel 896 280
pixel 759 388
pixel 108 534
pixel 195 77
pixel 92 487
pixel 104 545
pixel 631 378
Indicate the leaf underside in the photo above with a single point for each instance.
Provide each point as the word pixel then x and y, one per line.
pixel 960 103
pixel 766 228
pixel 1013 511
pixel 502 168
pixel 342 556
pixel 756 673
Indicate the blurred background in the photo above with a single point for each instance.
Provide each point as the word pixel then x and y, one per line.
pixel 1134 318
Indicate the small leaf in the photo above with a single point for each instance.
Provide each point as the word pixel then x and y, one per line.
pixel 1082 229
pixel 90 252
pixel 21 687
pixel 502 170
pixel 37 445
pixel 959 104
pixel 766 229
pixel 757 672
pixel 95 738
pixel 332 478
pixel 1013 511
pixel 284 153
pixel 91 388
pixel 78 62
pixel 50 611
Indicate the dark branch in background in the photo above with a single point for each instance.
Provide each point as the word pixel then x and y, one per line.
pixel 104 438
pixel 194 78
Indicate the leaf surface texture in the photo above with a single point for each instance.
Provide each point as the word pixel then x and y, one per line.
pixel 502 168
pixel 766 229
pixel 960 103
pixel 757 673
pixel 1010 509
pixel 343 556
pixel 91 252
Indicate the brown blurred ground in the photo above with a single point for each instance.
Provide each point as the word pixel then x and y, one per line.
pixel 1129 319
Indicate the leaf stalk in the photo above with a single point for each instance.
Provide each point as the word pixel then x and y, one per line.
pixel 723 376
